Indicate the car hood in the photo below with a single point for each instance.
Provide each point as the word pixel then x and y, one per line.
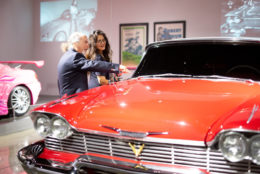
pixel 173 108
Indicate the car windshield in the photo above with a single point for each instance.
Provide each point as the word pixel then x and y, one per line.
pixel 212 60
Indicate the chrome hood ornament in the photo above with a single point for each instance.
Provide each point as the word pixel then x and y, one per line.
pixel 133 134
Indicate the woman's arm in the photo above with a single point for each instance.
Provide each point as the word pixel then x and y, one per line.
pixel 102 80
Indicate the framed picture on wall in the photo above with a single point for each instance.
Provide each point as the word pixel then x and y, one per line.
pixel 133 39
pixel 169 30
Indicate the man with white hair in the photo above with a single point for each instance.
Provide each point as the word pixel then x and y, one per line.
pixel 73 66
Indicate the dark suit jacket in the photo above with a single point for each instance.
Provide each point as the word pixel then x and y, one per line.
pixel 72 71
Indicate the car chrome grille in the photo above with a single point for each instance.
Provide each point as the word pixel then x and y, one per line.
pixel 187 155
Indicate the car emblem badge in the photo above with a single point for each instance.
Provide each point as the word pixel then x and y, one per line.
pixel 139 166
pixel 137 152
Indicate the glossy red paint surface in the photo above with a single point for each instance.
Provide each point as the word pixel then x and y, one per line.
pixel 62 157
pixel 242 118
pixel 185 108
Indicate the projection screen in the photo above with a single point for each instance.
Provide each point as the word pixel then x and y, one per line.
pixel 240 18
pixel 59 18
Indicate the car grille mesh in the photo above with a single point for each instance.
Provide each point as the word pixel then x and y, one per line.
pixel 187 155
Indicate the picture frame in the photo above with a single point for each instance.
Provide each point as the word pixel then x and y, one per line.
pixel 169 30
pixel 133 40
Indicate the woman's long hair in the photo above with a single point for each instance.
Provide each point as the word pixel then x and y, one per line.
pixel 92 51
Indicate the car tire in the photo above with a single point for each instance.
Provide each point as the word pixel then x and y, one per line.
pixel 19 101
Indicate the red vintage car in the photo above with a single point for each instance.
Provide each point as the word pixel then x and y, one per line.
pixel 191 106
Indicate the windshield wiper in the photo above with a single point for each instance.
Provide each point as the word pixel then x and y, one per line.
pixel 220 77
pixel 167 75
pixel 192 76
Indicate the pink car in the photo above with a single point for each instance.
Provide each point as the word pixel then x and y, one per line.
pixel 19 88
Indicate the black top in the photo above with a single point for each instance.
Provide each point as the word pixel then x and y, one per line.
pixel 227 57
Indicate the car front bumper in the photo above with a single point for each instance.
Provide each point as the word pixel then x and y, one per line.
pixel 31 159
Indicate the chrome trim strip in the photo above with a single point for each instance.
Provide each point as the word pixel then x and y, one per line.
pixel 133 134
pixel 230 40
pixel 255 108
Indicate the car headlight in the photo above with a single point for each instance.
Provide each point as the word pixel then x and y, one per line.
pixel 60 128
pixel 254 147
pixel 42 125
pixel 233 146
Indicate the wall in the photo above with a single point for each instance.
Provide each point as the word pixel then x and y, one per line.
pixel 202 16
pixel 16 30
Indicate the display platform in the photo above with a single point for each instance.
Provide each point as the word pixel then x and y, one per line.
pixel 12 124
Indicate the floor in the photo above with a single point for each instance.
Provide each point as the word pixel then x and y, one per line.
pixel 16 133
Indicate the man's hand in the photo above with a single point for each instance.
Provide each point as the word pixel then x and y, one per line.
pixel 123 69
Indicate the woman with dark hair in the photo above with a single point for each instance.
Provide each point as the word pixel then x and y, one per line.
pixel 99 50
